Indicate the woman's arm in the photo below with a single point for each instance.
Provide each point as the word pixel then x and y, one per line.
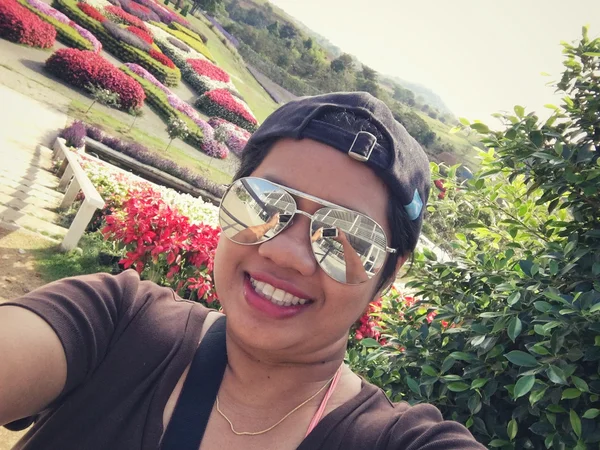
pixel 33 371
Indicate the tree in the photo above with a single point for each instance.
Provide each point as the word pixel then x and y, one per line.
pixel 210 6
pixel 273 28
pixel 288 31
pixel 342 63
pixel 514 348
pixel 308 43
pixel 369 74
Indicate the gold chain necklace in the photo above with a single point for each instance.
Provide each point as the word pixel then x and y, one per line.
pixel 256 433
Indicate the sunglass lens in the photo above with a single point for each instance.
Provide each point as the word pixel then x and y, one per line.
pixel 254 210
pixel 350 247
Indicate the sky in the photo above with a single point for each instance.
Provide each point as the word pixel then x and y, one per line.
pixel 480 56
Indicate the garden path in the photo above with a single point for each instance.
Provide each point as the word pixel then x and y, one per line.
pixel 28 198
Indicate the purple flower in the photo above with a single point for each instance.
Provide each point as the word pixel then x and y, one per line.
pixel 74 134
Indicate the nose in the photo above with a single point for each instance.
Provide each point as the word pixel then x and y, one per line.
pixel 291 248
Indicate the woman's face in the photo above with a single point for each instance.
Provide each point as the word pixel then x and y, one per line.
pixel 287 261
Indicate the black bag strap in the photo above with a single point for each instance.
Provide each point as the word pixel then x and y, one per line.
pixel 190 417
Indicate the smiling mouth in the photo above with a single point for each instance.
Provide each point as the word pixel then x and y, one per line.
pixel 277 296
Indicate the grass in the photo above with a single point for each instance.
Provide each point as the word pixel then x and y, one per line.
pixel 115 127
pixel 53 265
pixel 257 98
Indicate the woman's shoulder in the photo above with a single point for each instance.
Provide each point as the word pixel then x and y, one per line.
pixel 371 421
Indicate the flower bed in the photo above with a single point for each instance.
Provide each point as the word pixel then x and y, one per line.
pixel 144 35
pixel 224 32
pixel 139 11
pixel 91 12
pixel 126 36
pixel 83 68
pixel 196 34
pixel 166 16
pixel 119 15
pixel 124 51
pixel 221 103
pixel 234 137
pixel 18 24
pixel 169 105
pixel 163 245
pixel 161 58
pixel 187 39
pixel 114 183
pixel 67 32
pixel 204 76
pixel 145 156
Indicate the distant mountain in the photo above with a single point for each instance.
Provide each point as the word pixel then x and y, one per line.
pixel 429 97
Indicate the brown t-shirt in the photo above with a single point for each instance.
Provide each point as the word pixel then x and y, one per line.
pixel 127 342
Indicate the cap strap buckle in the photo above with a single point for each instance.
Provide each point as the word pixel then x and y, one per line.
pixel 363 145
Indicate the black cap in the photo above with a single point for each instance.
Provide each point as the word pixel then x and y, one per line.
pixel 404 167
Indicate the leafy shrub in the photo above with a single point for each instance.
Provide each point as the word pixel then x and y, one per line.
pixel 18 24
pixel 120 49
pixel 145 36
pixel 514 351
pixel 121 16
pixel 184 10
pixel 64 31
pixel 190 31
pixel 123 35
pixel 162 58
pixel 91 11
pixel 180 45
pixel 104 96
pixel 74 135
pixel 221 103
pixel 187 39
pixel 82 68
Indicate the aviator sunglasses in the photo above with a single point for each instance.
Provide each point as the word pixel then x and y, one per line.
pixel 349 246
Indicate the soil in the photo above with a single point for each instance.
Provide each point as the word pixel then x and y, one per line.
pixel 17 263
pixel 17 277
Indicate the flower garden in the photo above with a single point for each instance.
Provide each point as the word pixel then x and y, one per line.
pixel 504 337
pixel 157 47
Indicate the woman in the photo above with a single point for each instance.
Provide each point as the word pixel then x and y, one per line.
pixel 326 208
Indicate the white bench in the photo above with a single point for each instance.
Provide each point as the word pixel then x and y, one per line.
pixel 73 180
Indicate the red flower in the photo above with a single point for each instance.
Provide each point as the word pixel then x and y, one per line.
pixel 161 58
pixel 444 324
pixel 81 68
pixel 205 68
pixel 223 98
pixel 442 195
pixel 439 184
pixel 91 11
pixel 431 316
pixel 145 36
pixel 123 16
pixel 19 24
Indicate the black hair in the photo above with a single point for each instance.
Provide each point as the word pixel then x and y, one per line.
pixel 405 232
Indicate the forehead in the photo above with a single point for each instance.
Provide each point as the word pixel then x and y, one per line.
pixel 322 171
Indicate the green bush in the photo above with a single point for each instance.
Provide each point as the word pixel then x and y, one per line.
pixel 185 9
pixel 514 352
pixel 193 42
pixel 65 33
pixel 122 50
pixel 157 99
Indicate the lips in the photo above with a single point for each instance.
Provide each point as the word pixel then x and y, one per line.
pixel 268 307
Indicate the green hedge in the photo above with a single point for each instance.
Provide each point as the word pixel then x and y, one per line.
pixel 191 33
pixel 65 33
pixel 123 51
pixel 189 40
pixel 157 99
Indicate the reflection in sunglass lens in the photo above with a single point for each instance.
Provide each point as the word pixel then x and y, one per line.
pixel 356 253
pixel 254 210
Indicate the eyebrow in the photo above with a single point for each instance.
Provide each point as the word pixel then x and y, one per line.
pixel 276 180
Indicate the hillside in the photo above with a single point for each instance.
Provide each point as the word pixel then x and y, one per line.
pixel 282 50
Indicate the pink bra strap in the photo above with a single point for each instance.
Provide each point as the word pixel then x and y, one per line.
pixel 319 414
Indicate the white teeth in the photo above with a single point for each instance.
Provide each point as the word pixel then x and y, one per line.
pixel 277 296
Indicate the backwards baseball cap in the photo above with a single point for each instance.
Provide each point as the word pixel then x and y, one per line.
pixel 404 167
